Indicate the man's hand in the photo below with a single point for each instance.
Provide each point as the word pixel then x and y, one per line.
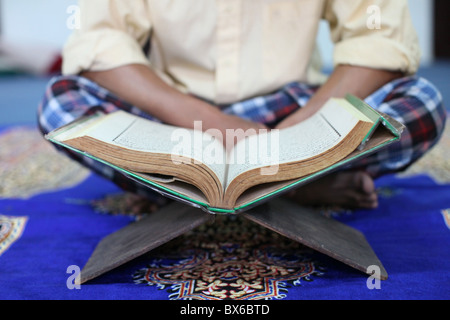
pixel 345 79
pixel 234 129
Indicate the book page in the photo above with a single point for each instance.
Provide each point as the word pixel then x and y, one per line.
pixel 131 132
pixel 75 130
pixel 309 138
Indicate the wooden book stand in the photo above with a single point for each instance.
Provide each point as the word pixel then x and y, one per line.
pixel 297 223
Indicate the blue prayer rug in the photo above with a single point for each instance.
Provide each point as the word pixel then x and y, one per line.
pixel 58 229
pixel 233 258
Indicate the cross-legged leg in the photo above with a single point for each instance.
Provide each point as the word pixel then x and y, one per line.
pixel 413 101
pixel 417 104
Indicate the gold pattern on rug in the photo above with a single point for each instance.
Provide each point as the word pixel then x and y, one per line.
pixel 30 165
pixel 11 229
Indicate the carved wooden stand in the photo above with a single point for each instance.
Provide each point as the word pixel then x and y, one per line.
pixel 304 225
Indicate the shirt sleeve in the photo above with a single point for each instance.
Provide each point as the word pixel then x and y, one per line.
pixel 112 34
pixel 373 33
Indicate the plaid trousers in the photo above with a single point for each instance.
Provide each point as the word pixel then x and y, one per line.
pixel 413 101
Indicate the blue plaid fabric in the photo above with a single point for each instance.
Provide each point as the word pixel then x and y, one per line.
pixel 413 101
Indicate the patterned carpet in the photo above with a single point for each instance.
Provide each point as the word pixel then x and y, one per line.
pixel 232 258
pixel 29 165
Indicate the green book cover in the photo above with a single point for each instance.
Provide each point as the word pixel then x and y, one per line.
pixel 385 131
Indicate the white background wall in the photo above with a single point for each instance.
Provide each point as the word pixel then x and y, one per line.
pixel 422 17
pixel 36 20
pixel 44 21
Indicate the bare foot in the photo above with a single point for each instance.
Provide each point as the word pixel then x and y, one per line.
pixel 348 190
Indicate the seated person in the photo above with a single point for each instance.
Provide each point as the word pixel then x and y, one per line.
pixel 248 64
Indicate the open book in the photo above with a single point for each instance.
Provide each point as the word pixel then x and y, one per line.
pixel 194 166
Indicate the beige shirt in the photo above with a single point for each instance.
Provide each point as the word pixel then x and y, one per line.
pixel 229 50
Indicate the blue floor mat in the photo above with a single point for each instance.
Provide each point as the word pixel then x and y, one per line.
pixel 409 232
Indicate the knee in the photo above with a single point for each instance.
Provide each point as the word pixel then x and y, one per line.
pixel 418 104
pixel 67 98
pixel 428 117
pixel 420 107
pixel 52 111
